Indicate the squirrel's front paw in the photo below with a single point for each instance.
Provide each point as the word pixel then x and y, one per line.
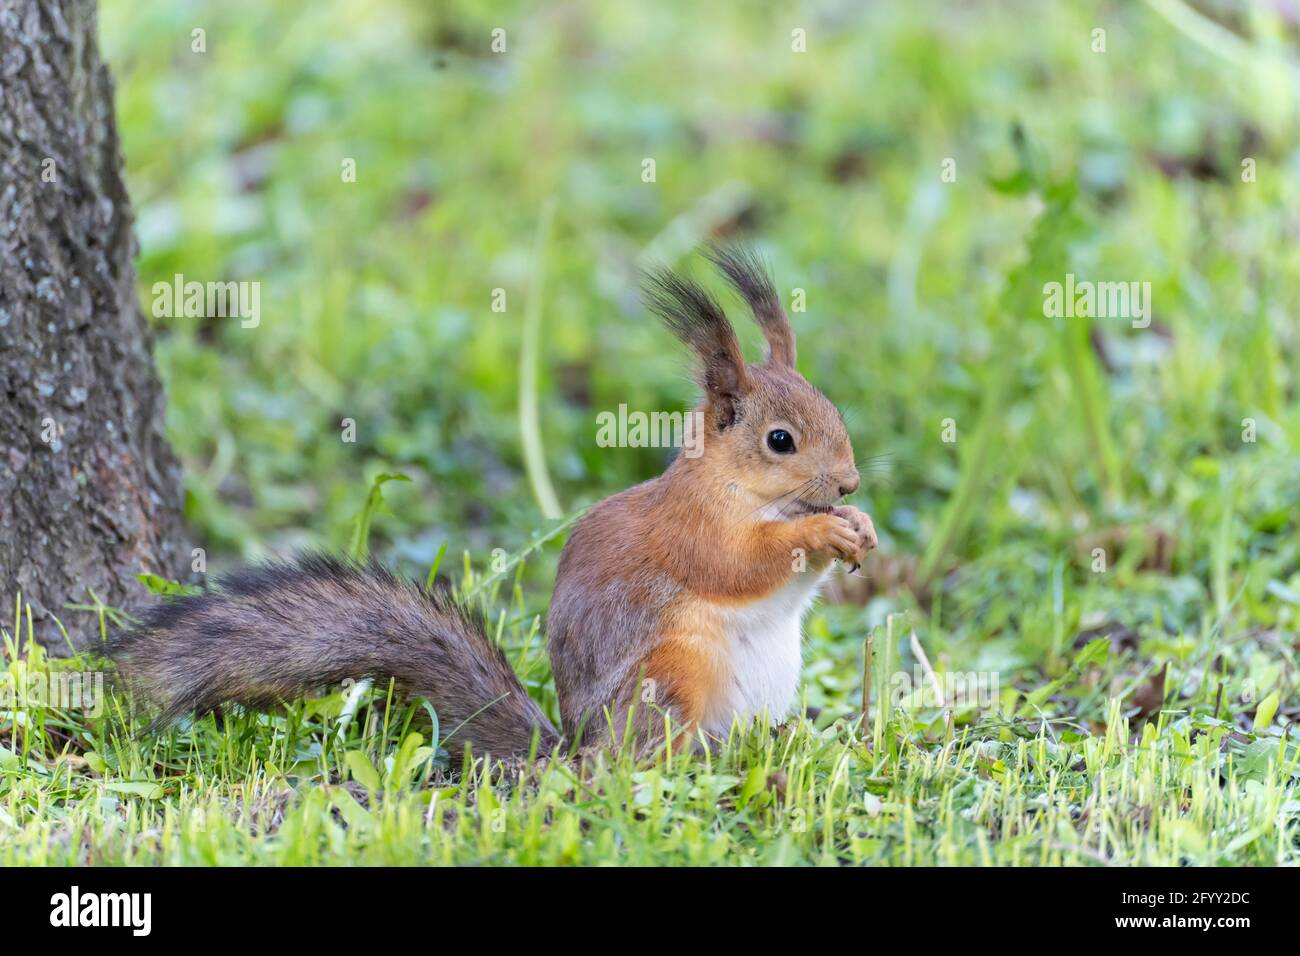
pixel 863 529
pixel 831 535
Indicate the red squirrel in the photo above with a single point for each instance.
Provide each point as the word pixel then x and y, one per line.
pixel 681 597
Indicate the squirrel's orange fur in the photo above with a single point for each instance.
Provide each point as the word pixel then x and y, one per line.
pixel 711 537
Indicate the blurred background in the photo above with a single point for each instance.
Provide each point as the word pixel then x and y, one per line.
pixel 1116 156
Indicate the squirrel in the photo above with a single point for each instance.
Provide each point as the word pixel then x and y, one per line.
pixel 682 596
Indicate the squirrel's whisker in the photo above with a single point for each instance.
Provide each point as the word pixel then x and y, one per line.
pixel 798 489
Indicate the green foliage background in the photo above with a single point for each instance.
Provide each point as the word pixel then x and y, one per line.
pixel 924 303
pixel 923 296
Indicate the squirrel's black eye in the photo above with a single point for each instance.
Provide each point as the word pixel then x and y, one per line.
pixel 780 441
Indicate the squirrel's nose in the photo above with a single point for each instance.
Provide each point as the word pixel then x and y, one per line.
pixel 847 487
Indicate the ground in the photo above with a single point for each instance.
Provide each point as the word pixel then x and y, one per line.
pixel 1095 518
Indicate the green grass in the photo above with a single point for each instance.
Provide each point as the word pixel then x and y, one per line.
pixel 1172 741
pixel 322 783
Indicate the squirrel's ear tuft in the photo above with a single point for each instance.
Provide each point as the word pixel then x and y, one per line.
pixel 750 276
pixel 697 319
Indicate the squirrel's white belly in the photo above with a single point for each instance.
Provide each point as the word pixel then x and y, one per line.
pixel 763 654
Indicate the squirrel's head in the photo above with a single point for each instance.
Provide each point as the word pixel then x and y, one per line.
pixel 778 441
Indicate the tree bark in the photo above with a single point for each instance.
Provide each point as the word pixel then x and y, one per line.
pixel 89 488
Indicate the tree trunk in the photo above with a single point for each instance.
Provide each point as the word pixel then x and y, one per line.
pixel 89 489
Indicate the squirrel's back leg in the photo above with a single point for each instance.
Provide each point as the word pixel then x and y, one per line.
pixel 670 691
pixel 683 676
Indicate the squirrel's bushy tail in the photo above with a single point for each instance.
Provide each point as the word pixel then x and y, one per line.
pixel 273 632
